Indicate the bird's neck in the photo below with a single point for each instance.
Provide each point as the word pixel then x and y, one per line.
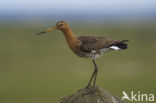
pixel 70 37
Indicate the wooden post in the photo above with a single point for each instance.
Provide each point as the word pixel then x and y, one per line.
pixel 91 95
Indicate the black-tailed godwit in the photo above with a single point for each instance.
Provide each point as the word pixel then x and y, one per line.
pixel 88 46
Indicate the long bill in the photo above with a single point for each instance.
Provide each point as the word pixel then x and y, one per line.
pixel 47 30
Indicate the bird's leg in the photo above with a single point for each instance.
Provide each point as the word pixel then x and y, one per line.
pixel 93 56
pixel 94 73
pixel 96 70
pixel 91 79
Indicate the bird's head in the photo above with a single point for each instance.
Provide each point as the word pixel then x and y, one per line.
pixel 61 25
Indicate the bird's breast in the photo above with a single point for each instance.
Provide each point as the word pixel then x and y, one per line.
pixel 74 46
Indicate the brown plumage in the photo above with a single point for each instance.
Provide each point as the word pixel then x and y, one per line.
pixel 88 46
pixel 98 43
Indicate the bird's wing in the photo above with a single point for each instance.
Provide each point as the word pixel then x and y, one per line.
pixel 89 43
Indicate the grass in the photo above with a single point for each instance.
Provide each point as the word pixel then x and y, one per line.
pixel 39 69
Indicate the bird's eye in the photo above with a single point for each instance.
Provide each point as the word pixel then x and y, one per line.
pixel 60 24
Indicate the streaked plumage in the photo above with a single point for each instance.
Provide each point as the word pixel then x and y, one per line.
pixel 97 45
pixel 88 46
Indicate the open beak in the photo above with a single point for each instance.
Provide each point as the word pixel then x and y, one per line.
pixel 47 30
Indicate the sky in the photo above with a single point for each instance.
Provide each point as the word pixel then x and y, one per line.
pixel 64 7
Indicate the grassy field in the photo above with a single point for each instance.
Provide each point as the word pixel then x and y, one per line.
pixel 42 69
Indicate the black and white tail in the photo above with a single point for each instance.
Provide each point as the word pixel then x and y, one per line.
pixel 120 45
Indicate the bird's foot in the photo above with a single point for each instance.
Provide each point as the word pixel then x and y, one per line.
pixel 87 87
pixel 86 90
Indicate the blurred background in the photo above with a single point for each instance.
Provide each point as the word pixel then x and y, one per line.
pixel 42 69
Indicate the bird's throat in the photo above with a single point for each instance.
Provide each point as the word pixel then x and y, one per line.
pixel 70 38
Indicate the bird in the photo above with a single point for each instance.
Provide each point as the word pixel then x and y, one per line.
pixel 87 46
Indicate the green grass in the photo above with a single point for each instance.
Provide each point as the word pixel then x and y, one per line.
pixel 42 69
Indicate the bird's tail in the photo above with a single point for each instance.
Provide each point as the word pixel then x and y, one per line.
pixel 122 44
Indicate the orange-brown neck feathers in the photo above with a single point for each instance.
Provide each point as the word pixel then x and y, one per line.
pixel 70 38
